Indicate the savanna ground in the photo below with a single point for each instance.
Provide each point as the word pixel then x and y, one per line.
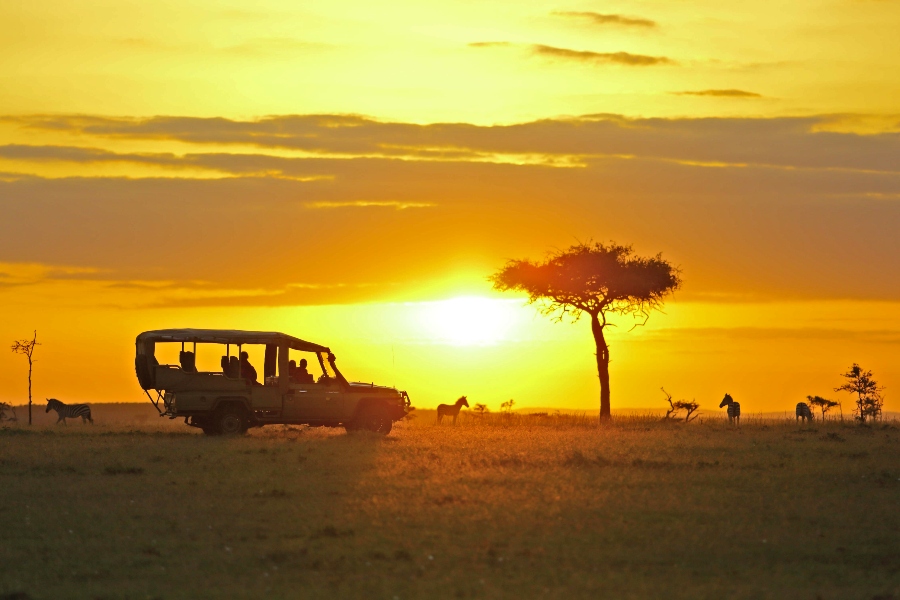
pixel 529 507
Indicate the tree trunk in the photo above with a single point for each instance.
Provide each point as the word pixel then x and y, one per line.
pixel 602 366
pixel 29 387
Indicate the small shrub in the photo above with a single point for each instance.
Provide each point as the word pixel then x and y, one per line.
pixel 4 408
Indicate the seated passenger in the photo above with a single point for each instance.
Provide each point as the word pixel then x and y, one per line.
pixel 247 370
pixel 230 366
pixel 301 375
pixel 188 362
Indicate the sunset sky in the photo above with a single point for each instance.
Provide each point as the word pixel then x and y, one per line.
pixel 352 172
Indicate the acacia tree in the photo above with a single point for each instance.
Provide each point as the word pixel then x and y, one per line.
pixel 868 393
pixel 27 347
pixel 594 279
pixel 822 403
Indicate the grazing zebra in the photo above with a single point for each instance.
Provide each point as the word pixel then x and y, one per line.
pixel 69 411
pixel 451 410
pixel 803 412
pixel 734 409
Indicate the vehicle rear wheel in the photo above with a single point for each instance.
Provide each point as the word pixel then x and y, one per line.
pixel 231 421
pixel 205 425
pixel 373 418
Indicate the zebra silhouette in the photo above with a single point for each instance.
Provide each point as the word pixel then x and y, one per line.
pixel 803 412
pixel 69 411
pixel 734 409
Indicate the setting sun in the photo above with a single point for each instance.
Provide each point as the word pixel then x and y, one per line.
pixel 467 321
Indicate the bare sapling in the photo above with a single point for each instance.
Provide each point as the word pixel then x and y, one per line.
pixel 26 347
pixel 672 410
pixel 677 405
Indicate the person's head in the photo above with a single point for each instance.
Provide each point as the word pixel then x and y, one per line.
pixel 244 355
pixel 292 363
pixel 303 363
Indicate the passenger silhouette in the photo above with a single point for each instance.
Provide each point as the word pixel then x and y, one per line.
pixel 301 375
pixel 188 361
pixel 247 370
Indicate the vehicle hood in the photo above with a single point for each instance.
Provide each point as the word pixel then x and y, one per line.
pixel 358 386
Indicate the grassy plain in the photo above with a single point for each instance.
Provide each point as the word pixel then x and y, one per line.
pixel 138 507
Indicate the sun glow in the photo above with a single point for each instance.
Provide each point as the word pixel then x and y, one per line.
pixel 467 320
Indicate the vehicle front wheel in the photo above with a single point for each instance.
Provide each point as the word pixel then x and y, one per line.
pixel 230 422
pixel 373 418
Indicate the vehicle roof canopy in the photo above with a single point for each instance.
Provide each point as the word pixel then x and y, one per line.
pixel 228 336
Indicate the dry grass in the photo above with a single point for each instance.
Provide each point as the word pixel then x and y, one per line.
pixel 516 507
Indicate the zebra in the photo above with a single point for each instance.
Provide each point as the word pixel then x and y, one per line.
pixel 70 411
pixel 734 409
pixel 451 410
pixel 803 412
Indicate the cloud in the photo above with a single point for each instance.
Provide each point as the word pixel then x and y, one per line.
pixel 8 176
pixel 585 56
pixel 786 142
pixel 83 155
pixel 721 93
pixel 60 281
pixel 761 208
pixel 621 58
pixel 757 231
pixel 607 19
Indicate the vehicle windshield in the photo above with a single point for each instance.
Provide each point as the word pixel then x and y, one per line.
pixel 326 365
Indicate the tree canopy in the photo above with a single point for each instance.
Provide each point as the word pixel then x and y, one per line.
pixel 593 278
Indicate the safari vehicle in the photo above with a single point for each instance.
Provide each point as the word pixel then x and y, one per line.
pixel 230 401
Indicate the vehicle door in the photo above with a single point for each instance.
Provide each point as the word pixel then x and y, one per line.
pixel 306 402
pixel 334 401
pixel 266 397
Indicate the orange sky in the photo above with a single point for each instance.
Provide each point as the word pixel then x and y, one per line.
pixel 351 174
